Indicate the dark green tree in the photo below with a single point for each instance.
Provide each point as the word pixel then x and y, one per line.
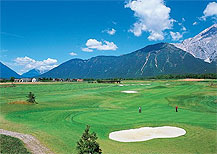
pixel 12 79
pixel 87 144
pixel 31 98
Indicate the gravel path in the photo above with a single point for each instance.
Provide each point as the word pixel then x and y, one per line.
pixel 30 141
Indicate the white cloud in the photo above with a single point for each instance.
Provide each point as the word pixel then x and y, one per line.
pixel 210 10
pixel 98 45
pixel 29 63
pixel 184 28
pixel 86 50
pixel 152 16
pixel 176 36
pixel 111 32
pixel 195 23
pixel 73 54
pixel 11 35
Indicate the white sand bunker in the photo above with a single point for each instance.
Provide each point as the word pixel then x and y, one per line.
pixel 146 133
pixel 129 92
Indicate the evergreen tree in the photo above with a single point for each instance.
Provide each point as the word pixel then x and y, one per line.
pixel 31 98
pixel 12 79
pixel 87 144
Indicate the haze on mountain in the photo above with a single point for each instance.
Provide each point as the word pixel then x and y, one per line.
pixel 203 45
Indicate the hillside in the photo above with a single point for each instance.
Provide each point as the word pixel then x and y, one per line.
pixel 32 73
pixel 6 72
pixel 157 59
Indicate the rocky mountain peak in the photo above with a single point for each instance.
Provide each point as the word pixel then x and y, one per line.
pixel 203 45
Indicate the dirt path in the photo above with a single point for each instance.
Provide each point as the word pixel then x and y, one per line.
pixel 30 141
pixel 191 79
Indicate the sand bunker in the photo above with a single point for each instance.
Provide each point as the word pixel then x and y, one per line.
pixel 129 92
pixel 146 133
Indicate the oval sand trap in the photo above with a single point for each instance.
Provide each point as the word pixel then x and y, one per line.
pixel 146 133
pixel 129 92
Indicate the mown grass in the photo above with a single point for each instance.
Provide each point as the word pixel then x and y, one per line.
pixel 11 145
pixel 65 109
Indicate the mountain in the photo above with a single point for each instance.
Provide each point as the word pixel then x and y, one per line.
pixel 32 73
pixel 6 72
pixel 203 45
pixel 157 59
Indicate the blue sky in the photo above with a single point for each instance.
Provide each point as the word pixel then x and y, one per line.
pixel 43 34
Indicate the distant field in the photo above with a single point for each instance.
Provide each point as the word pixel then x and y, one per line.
pixel 65 109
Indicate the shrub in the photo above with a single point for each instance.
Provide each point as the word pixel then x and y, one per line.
pixel 87 144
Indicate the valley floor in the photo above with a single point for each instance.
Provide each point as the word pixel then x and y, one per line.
pixel 64 110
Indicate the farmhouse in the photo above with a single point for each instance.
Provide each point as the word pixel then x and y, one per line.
pixel 58 79
pixel 17 80
pixel 75 80
pixel 26 80
pixel 34 80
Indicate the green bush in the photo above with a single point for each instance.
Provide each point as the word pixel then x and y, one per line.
pixel 31 98
pixel 11 145
pixel 87 144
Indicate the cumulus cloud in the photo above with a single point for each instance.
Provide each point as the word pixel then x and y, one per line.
pixel 29 63
pixel 111 32
pixel 73 54
pixel 195 23
pixel 210 10
pixel 152 16
pixel 98 45
pixel 183 28
pixel 176 36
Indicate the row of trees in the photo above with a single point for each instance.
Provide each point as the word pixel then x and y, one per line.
pixel 165 76
pixel 183 76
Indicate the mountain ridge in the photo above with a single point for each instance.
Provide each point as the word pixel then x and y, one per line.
pixel 32 73
pixel 203 45
pixel 6 72
pixel 157 59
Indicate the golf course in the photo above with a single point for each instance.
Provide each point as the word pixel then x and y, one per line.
pixel 65 108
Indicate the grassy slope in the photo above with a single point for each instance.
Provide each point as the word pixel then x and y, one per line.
pixel 64 109
pixel 11 145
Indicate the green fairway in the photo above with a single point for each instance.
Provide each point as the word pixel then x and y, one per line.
pixel 64 110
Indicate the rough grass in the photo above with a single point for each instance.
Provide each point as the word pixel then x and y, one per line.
pixel 11 145
pixel 65 109
pixel 21 102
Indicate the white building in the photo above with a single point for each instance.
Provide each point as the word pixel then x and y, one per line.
pixel 34 80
